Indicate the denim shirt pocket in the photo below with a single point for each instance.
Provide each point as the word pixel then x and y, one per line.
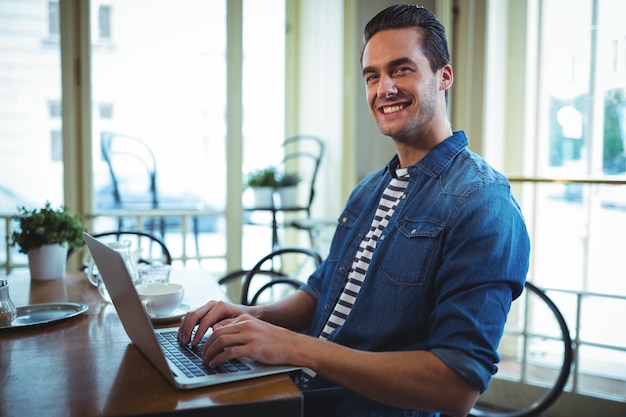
pixel 411 248
pixel 345 223
pixel 347 218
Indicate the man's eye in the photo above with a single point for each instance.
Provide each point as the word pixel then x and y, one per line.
pixel 402 70
pixel 370 78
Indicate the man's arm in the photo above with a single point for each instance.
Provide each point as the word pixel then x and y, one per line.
pixel 410 379
pixel 293 312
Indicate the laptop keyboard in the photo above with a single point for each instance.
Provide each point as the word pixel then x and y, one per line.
pixel 188 359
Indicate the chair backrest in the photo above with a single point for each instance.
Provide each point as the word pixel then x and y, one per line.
pixel 287 268
pixel 542 349
pixel 146 247
pixel 302 155
pixel 133 171
pixel 281 271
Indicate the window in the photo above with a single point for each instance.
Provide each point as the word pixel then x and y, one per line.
pixel 164 83
pixel 263 129
pixel 582 93
pixel 577 225
pixel 166 86
pixel 30 109
pixel 584 81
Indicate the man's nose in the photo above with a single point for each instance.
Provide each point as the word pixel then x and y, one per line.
pixel 387 87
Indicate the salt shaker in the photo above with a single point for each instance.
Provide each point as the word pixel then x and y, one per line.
pixel 7 309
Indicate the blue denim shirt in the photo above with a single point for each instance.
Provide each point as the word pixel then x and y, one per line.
pixel 442 278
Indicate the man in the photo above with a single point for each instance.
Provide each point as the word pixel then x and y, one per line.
pixel 405 315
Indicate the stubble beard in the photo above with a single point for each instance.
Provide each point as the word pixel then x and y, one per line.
pixel 420 123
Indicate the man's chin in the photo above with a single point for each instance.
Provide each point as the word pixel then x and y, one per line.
pixel 386 129
pixel 390 132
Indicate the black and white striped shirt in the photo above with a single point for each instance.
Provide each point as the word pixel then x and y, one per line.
pixel 358 271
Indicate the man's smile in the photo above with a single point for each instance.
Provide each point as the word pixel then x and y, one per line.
pixel 393 108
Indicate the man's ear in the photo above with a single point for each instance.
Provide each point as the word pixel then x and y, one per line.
pixel 447 77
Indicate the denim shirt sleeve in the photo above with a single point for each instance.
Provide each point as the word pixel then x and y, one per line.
pixel 487 249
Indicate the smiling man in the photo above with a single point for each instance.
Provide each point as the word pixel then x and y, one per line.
pixel 404 316
pixel 405 93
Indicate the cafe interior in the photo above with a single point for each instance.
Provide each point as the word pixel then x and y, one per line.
pixel 222 138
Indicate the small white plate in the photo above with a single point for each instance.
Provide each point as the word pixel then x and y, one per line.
pixel 174 316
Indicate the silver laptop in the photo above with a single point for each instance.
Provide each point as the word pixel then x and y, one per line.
pixel 181 365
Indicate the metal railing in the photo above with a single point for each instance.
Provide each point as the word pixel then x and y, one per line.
pixel 575 295
pixel 573 180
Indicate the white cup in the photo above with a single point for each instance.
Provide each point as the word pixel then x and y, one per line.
pixel 160 299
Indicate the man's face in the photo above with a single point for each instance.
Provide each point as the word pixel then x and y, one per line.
pixel 403 93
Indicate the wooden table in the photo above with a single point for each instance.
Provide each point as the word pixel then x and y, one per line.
pixel 86 365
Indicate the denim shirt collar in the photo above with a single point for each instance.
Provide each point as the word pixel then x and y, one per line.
pixel 436 160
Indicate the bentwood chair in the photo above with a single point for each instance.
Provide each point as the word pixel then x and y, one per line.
pixel 275 275
pixel 146 247
pixel 133 172
pixel 536 341
pixel 302 155
pixel 132 168
pixel 299 155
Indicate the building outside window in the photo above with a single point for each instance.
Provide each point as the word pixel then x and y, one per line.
pixel 104 21
pixel 53 19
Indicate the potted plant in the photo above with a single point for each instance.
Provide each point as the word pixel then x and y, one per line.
pixel 45 235
pixel 286 188
pixel 262 182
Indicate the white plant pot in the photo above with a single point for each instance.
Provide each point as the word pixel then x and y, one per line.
pixel 287 196
pixel 48 262
pixel 263 197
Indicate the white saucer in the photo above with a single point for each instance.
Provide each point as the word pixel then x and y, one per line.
pixel 174 316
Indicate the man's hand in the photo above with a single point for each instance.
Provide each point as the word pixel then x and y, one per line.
pixel 205 317
pixel 248 336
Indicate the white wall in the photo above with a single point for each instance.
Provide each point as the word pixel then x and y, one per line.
pixel 320 60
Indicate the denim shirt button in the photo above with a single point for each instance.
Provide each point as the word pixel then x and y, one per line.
pixel 344 219
pixel 413 231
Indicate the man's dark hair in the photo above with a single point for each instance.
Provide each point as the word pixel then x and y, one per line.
pixel 402 16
